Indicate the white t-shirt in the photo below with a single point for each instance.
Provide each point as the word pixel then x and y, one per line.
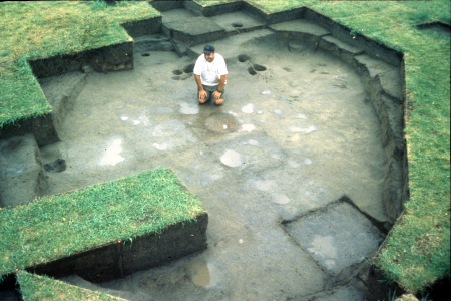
pixel 210 72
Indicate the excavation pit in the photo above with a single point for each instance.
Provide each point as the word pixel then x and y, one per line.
pixel 286 142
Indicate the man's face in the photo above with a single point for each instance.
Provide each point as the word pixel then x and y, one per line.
pixel 209 57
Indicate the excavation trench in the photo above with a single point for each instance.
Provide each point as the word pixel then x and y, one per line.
pixel 307 119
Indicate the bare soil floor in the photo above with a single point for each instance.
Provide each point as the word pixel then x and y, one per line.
pixel 286 145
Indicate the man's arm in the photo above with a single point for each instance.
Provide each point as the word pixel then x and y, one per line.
pixel 217 94
pixel 221 82
pixel 198 82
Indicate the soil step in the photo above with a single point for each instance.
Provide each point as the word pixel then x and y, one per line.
pixel 344 51
pixel 182 25
pixel 237 22
pixel 300 26
pixel 235 45
pixel 155 42
pixel 21 173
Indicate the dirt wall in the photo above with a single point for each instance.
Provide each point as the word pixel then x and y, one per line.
pixel 117 260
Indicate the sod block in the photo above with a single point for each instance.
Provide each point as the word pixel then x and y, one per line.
pixel 105 231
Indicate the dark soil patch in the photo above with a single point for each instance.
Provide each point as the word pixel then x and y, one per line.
pixel 188 68
pixel 258 67
pixel 243 57
pixel 58 165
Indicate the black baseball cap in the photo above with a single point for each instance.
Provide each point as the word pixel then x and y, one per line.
pixel 209 49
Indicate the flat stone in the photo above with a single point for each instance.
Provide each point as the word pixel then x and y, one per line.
pixel 337 238
pixel 21 173
pixel 300 25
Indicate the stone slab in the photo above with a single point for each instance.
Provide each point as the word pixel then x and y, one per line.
pixel 302 26
pixel 21 172
pixel 337 238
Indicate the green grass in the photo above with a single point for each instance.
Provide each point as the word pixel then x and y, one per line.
pixel 54 227
pixel 34 287
pixel 417 251
pixel 41 29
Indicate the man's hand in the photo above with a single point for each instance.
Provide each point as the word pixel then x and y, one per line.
pixel 216 95
pixel 202 96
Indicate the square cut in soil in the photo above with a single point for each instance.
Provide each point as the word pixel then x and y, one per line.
pixel 337 238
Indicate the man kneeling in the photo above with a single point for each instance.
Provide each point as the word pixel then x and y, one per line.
pixel 210 73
